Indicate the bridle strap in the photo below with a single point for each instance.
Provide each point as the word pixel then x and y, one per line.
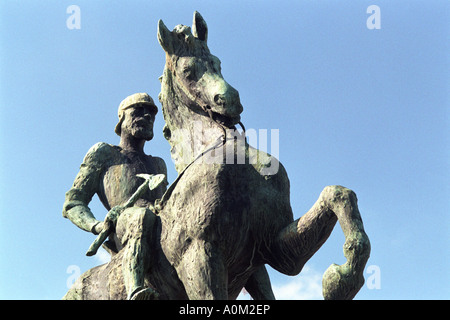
pixel 205 107
pixel 159 203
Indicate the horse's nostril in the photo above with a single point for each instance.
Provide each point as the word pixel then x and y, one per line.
pixel 219 99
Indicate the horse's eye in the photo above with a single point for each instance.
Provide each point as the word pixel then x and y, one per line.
pixel 187 70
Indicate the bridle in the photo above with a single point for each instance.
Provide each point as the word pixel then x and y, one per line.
pixel 159 203
pixel 195 99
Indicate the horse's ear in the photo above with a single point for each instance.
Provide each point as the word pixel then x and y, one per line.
pixel 199 27
pixel 165 37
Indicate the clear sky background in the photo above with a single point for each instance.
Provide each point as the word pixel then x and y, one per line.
pixel 367 109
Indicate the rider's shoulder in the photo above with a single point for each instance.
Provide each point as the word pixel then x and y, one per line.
pixel 100 152
pixel 160 163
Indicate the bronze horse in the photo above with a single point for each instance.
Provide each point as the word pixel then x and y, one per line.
pixel 225 220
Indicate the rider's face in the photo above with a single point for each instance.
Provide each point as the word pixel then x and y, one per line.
pixel 139 122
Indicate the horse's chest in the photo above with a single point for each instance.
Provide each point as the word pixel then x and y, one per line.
pixel 209 205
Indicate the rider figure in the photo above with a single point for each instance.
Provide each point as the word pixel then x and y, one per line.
pixel 110 172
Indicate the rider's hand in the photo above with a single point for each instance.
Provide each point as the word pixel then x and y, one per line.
pixel 110 220
pixel 114 214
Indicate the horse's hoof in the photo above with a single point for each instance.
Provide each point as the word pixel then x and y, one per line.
pixel 341 282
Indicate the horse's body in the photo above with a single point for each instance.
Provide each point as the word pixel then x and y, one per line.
pixel 228 213
pixel 219 224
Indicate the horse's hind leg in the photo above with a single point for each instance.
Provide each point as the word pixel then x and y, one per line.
pixel 300 240
pixel 203 273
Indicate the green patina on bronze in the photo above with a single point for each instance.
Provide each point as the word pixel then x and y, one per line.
pixel 228 213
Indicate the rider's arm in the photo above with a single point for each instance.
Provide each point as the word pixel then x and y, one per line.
pixel 86 184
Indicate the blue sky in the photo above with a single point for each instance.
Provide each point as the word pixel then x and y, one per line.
pixel 367 109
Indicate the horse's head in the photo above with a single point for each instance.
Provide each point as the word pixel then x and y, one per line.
pixel 195 74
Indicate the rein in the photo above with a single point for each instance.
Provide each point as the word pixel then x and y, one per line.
pixel 159 203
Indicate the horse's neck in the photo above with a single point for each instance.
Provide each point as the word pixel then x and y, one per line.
pixel 190 133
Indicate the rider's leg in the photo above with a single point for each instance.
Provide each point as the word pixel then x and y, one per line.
pixel 134 229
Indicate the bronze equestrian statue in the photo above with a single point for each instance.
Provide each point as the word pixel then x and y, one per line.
pixel 228 213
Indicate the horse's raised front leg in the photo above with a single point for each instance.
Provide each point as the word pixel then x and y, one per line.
pixel 298 242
